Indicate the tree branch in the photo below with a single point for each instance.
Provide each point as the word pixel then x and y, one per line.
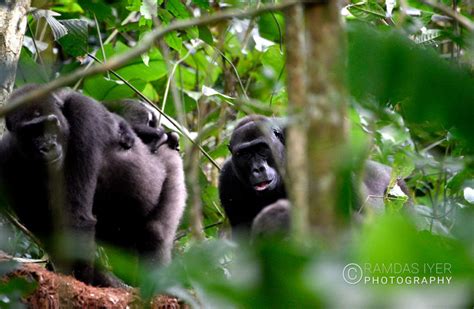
pixel 462 20
pixel 146 43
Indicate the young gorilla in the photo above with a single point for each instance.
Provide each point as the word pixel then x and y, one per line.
pixel 251 188
pixel 144 122
pixel 71 170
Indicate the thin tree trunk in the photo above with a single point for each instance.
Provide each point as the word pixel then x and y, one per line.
pixel 296 143
pixel 12 29
pixel 326 111
pixel 192 166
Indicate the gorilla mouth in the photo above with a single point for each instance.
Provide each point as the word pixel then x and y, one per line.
pixel 262 185
pixel 54 159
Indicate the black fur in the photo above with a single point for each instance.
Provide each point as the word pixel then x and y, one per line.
pixel 88 175
pixel 144 122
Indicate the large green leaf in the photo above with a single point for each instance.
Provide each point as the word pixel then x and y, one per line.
pixel 100 9
pixel 75 42
pixel 271 26
pixel 367 10
pixel 392 68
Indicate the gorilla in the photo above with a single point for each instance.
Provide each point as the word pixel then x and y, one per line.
pixel 144 122
pixel 252 190
pixel 250 180
pixel 75 173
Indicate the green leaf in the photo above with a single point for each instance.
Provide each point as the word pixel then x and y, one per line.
pixel 101 88
pixel 192 33
pixel 178 9
pixel 155 69
pixel 367 11
pixel 150 92
pixel 165 16
pixel 174 41
pixel 271 26
pixel 274 59
pixel 203 4
pixel 75 42
pixel 133 5
pixel 29 70
pixel 429 36
pixel 57 28
pixel 206 35
pixel 391 68
pixel 99 8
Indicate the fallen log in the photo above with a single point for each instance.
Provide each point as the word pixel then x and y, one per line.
pixel 61 291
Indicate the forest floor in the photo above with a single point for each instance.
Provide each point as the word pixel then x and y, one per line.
pixel 61 291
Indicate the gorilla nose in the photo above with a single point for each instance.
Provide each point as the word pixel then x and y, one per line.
pixel 46 148
pixel 257 170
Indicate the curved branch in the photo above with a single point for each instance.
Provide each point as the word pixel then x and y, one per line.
pixel 462 20
pixel 146 43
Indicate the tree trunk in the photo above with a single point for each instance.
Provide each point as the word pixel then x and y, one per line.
pixel 326 105
pixel 296 135
pixel 317 104
pixel 12 28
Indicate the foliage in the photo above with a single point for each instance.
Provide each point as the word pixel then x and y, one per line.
pixel 409 73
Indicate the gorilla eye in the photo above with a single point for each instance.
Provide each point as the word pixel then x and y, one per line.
pixel 263 150
pixel 151 120
pixel 277 133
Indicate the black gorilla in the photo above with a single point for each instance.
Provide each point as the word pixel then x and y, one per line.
pixel 250 180
pixel 144 122
pixel 74 172
pixel 251 187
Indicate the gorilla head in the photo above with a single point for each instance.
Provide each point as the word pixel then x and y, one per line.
pixel 258 152
pixel 144 122
pixel 42 131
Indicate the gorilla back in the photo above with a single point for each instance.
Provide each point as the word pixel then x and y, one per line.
pixel 140 201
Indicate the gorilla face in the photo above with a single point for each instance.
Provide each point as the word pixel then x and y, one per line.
pixel 257 152
pixel 255 166
pixel 40 133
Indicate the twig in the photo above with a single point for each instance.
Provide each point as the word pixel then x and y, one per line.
pixel 108 40
pixel 14 221
pixel 235 71
pixel 146 43
pixel 100 41
pixel 462 20
pixel 183 234
pixel 171 76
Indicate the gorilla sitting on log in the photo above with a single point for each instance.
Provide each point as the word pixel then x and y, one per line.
pixel 251 188
pixel 74 173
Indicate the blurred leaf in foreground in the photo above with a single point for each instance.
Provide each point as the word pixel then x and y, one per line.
pixel 390 67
